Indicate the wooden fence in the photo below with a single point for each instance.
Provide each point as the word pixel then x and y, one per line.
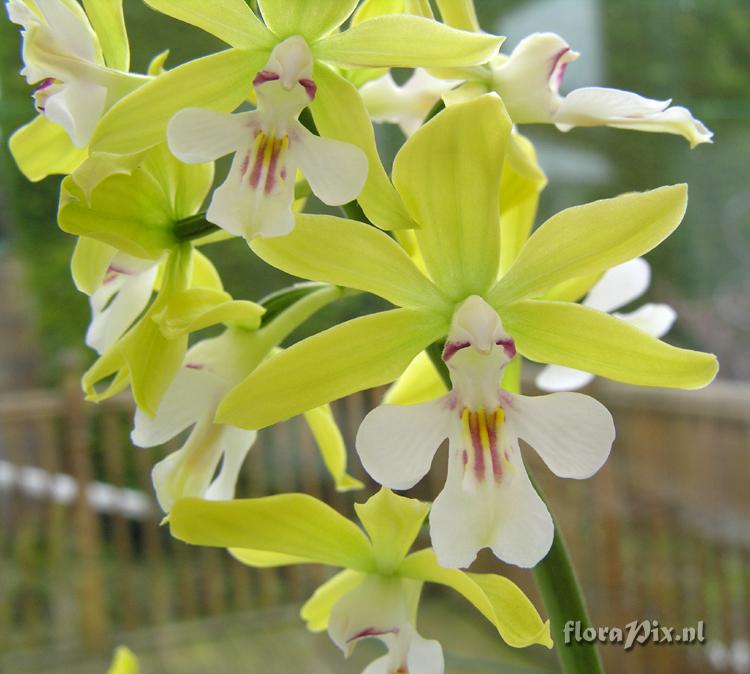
pixel 660 533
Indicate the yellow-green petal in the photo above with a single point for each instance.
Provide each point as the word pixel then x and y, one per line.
pixel 89 263
pixel 339 113
pixel 589 239
pixel 196 308
pixel 585 339
pixel 459 14
pixel 332 447
pixel 350 254
pixel 291 524
pixel 498 599
pixel 419 383
pixel 232 21
pixel 263 559
pixel 42 148
pixel 406 42
pixel 108 22
pixel 297 17
pixel 392 522
pixel 317 609
pixel 448 174
pixel 217 82
pixel 357 355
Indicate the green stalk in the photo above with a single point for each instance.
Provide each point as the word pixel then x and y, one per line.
pixel 194 227
pixel 554 575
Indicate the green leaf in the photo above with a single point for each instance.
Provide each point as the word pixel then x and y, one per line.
pixel 42 148
pixel 89 263
pixel 448 174
pixel 296 17
pixel 354 356
pixel 406 42
pixel 230 20
pixel 291 524
pixel 339 113
pixel 350 254
pixel 332 448
pixel 317 610
pixel 108 22
pixel 498 599
pixel 590 239
pixel 217 82
pixel 585 339
pixel 392 522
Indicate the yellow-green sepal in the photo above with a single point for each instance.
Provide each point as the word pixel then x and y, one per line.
pixel 124 662
pixel 586 339
pixel 351 254
pixel 339 113
pixel 357 355
pixel 219 81
pixel 498 599
pixel 448 174
pixel 392 522
pixel 317 609
pixel 232 21
pixel 42 148
pixel 290 524
pixel 589 239
pixel 108 22
pixel 332 448
pixel 89 263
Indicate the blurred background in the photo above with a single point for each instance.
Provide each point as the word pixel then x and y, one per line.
pixel 661 533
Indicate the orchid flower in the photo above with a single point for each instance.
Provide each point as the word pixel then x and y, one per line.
pixel 134 209
pixel 269 146
pixel 221 81
pixel 377 593
pixel 209 370
pixel 528 81
pixel 488 499
pixel 448 174
pixel 78 72
pixel 616 288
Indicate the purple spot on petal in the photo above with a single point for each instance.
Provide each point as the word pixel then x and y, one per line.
pixel 509 346
pixel 195 366
pixel 372 632
pixel 451 347
pixel 310 87
pixel 265 76
pixel 557 72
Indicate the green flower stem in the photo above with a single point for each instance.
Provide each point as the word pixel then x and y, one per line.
pixel 554 575
pixel 194 227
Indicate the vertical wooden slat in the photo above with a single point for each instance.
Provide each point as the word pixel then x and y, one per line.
pixel 124 587
pixel 94 622
pixel 156 586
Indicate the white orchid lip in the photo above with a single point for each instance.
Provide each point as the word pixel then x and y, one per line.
pixel 488 499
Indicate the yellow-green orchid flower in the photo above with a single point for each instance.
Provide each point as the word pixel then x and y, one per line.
pixel 221 81
pixel 269 146
pixel 124 662
pixel 78 61
pixel 448 174
pixel 377 593
pixel 127 211
pixel 210 368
